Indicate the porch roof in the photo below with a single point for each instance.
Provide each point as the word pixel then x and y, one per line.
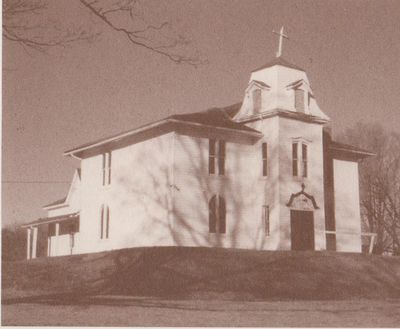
pixel 48 220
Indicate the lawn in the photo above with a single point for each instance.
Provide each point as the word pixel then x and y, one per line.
pixel 128 311
pixel 177 286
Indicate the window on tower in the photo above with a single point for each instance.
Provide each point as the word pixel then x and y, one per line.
pixel 257 103
pixel 295 159
pixel 299 100
pixel 264 153
pixel 304 159
pixel 299 160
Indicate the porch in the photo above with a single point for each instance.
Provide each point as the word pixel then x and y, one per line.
pixel 59 232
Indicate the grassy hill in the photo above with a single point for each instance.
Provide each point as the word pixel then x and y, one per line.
pixel 179 272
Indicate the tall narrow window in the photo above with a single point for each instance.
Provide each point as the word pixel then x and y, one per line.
pixel 264 159
pixel 104 222
pixel 212 215
pixel 294 159
pixel 106 168
pixel 257 100
pixel 217 214
pixel 299 100
pixel 211 156
pixel 221 158
pixel 265 217
pixel 101 222
pixel 304 159
pixel 216 157
pixel 107 222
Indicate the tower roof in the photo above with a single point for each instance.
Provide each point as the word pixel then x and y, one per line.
pixel 279 61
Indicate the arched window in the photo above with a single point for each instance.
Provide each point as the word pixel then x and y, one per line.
pixel 217 214
pixel 104 222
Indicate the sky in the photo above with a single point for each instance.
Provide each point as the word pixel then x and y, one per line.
pixel 72 95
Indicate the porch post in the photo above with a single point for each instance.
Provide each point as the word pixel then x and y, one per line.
pixel 28 243
pixel 34 242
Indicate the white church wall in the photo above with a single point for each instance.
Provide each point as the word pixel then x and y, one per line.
pixel 243 187
pixel 267 187
pixel 347 206
pixel 311 134
pixel 137 197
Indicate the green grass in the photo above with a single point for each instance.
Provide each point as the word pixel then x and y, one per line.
pixel 205 273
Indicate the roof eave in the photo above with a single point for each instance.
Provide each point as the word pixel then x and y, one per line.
pixel 75 151
pixel 287 114
pixel 55 206
pixel 54 219
pixel 361 154
pixel 78 149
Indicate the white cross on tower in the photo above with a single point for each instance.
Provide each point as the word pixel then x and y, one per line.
pixel 281 36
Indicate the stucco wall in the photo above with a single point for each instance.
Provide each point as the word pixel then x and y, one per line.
pixel 138 197
pixel 347 206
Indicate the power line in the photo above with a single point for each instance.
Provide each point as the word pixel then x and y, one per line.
pixel 33 182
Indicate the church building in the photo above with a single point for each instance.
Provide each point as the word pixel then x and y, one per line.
pixel 261 174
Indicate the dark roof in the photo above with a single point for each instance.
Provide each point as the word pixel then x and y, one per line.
pixel 279 61
pixel 232 110
pixel 55 203
pixel 346 148
pixel 48 220
pixel 215 117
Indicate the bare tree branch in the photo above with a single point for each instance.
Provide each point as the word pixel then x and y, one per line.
pixel 166 47
pixel 25 22
pixel 19 25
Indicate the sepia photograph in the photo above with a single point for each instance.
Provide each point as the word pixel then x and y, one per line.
pixel 200 163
